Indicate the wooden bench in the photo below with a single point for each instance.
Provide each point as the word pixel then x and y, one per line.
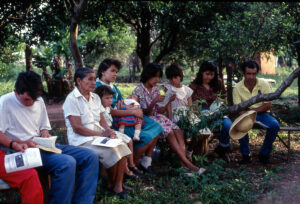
pixel 287 143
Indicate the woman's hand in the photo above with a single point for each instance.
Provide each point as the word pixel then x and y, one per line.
pixel 172 98
pixel 137 113
pixel 109 133
pixel 161 110
pixel 159 98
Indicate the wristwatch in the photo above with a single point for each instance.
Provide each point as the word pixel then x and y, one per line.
pixel 11 144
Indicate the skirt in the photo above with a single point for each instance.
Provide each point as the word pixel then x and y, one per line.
pixel 150 130
pixel 108 156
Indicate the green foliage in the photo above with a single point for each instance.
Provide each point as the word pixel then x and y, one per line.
pixel 115 41
pixel 191 121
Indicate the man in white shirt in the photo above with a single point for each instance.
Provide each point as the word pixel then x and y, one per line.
pixel 23 116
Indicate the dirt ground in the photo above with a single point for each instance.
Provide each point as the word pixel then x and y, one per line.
pixel 287 190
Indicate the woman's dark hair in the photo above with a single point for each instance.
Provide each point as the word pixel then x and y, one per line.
pixel 104 90
pixel 106 64
pixel 173 71
pixel 81 73
pixel 29 82
pixel 208 66
pixel 250 64
pixel 150 71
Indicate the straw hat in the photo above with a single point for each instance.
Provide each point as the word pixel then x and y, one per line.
pixel 242 125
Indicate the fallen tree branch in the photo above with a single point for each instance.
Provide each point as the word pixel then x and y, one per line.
pixel 261 97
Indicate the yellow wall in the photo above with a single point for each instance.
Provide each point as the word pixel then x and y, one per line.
pixel 267 63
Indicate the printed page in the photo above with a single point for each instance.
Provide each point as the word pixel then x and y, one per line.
pixel 47 144
pixel 167 98
pixel 31 158
pixel 106 142
pixel 43 141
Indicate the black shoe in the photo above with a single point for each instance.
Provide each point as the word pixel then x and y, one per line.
pixel 123 195
pixel 135 170
pixel 131 177
pixel 264 159
pixel 147 170
pixel 246 160
pixel 223 152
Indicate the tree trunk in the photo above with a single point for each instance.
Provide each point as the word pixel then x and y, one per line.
pixel 78 8
pixel 143 47
pixel 220 65
pixel 229 84
pixel 28 57
pixel 297 44
pixel 192 67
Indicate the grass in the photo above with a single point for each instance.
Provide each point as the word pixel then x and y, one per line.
pixel 221 184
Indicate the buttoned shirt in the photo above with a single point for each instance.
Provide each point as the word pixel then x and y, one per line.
pixel 241 93
pixel 88 110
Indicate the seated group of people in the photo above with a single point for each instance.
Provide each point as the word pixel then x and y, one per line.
pixel 96 108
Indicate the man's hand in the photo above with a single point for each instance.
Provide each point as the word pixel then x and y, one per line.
pixel 45 133
pixel 29 143
pixel 19 147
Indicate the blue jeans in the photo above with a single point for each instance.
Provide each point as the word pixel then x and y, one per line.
pixel 271 134
pixel 73 163
pixel 226 124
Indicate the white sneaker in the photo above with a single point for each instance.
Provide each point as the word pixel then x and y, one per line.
pixel 200 171
pixel 136 138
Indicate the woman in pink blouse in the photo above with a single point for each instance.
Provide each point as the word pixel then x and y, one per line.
pixel 149 95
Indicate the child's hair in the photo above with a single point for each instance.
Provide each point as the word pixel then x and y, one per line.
pixel 150 71
pixel 173 71
pixel 208 66
pixel 104 90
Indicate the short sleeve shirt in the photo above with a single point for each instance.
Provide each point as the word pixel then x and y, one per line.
pixel 117 94
pixel 241 93
pixel 88 110
pixel 145 97
pixel 22 122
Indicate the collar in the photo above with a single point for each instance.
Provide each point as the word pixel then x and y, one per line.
pixel 258 83
pixel 103 83
pixel 77 93
pixel 145 88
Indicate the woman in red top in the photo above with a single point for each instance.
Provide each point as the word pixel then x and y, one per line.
pixel 208 86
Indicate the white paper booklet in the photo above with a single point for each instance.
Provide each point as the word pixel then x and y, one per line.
pixel 47 144
pixel 106 142
pixel 167 98
pixel 30 158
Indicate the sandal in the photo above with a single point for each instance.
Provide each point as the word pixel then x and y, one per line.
pixel 135 170
pixel 132 177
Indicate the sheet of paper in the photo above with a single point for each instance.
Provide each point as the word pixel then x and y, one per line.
pixel 18 161
pixel 167 98
pixel 106 142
